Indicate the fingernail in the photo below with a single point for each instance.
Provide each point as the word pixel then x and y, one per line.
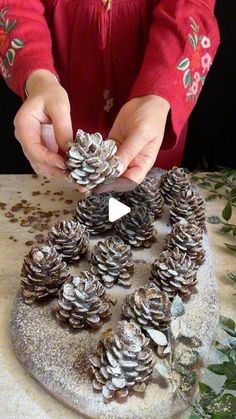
pixel 61 166
pixel 120 168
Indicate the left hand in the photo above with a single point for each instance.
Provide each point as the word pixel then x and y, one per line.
pixel 138 131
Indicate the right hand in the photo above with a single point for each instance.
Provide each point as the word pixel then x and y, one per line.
pixel 48 103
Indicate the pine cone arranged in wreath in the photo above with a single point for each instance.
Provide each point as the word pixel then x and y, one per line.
pixel 111 261
pixel 91 160
pixel 122 362
pixel 92 213
pixel 188 238
pixel 188 206
pixel 43 274
pixel 175 273
pixel 83 302
pixel 173 182
pixel 148 194
pixel 136 227
pixel 70 239
pixel 149 307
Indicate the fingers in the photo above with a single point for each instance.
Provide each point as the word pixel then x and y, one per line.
pixel 121 184
pixel 59 113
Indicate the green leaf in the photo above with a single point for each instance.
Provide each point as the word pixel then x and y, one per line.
pixel 225 229
pixel 230 246
pixel 219 185
pixel 205 184
pixel 188 380
pixel 3 11
pixel 234 231
pixel 229 370
pixel 17 43
pixel 214 220
pixel 11 56
pixel 211 197
pixel 225 405
pixel 183 64
pixel 227 211
pixel 226 350
pixel 192 40
pixel 186 78
pixel 177 307
pixel 11 25
pixel 216 368
pixel 227 322
pixel 232 276
pixel 230 384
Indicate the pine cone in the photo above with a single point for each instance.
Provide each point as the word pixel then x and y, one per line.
pixel 112 261
pixel 83 302
pixel 188 238
pixel 70 239
pixel 175 273
pixel 93 213
pixel 147 194
pixel 43 274
pixel 149 307
pixel 136 227
pixel 189 206
pixel 91 160
pixel 122 362
pixel 173 182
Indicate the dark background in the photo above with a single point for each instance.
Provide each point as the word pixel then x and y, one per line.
pixel 212 130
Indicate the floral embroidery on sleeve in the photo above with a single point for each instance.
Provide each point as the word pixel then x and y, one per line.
pixel 195 68
pixel 8 47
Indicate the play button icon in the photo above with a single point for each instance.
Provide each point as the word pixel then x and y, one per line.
pixel 117 209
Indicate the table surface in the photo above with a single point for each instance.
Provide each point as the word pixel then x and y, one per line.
pixel 29 204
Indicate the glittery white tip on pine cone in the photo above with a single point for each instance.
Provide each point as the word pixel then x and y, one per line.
pixel 43 273
pixel 189 206
pixel 70 239
pixel 122 362
pixel 175 273
pixel 111 261
pixel 188 237
pixel 148 194
pixel 83 302
pixel 93 213
pixel 92 161
pixel 136 227
pixel 149 307
pixel 173 182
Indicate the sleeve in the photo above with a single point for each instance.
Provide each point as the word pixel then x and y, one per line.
pixel 25 41
pixel 183 41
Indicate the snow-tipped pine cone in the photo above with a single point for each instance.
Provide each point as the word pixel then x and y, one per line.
pixel 173 182
pixel 83 302
pixel 93 213
pixel 111 261
pixel 175 273
pixel 70 239
pixel 90 160
pixel 43 273
pixel 122 362
pixel 189 206
pixel 148 194
pixel 136 227
pixel 188 237
pixel 149 307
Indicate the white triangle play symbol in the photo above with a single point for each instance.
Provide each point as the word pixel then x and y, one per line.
pixel 117 209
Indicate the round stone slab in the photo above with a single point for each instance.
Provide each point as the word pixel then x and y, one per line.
pixel 57 357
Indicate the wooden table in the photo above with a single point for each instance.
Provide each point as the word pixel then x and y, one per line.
pixel 45 201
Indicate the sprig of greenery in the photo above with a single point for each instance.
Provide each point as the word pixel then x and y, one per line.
pixel 211 404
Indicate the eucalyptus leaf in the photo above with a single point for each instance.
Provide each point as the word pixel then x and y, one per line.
pixel 177 307
pixel 211 197
pixel 229 369
pixel 230 246
pixel 158 337
pixel 226 229
pixel 226 404
pixel 232 342
pixel 214 220
pixel 227 211
pixel 216 368
pixel 230 384
pixel 227 322
pixel 219 185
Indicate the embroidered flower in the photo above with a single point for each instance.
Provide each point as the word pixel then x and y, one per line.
pixel 195 66
pixel 205 42
pixel 206 61
pixel 109 100
pixel 197 76
pixel 8 46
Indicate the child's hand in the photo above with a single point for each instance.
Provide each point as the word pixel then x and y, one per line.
pixel 47 103
pixel 138 131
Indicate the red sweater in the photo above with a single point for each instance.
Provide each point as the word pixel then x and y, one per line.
pixel 139 47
